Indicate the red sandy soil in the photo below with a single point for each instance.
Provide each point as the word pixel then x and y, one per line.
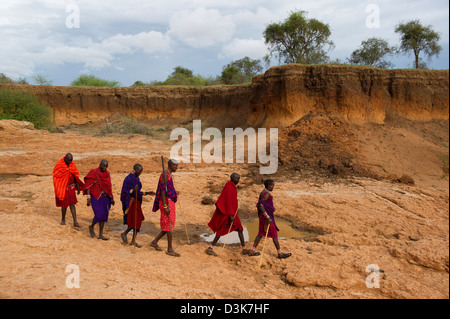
pixel 339 181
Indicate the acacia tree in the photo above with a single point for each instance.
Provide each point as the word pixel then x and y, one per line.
pixel 298 40
pixel 373 52
pixel 41 80
pixel 241 71
pixel 418 38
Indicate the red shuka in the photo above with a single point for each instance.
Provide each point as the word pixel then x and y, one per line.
pixel 226 206
pixel 98 181
pixel 135 217
pixel 61 173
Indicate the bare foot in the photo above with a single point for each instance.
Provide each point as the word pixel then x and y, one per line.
pixel 63 222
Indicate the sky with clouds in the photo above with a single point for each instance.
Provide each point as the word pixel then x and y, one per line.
pixel 130 40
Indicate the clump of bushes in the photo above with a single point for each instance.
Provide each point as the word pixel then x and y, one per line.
pixel 91 80
pixel 22 106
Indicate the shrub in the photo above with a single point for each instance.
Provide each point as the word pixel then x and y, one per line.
pixel 5 79
pixel 91 80
pixel 22 106
pixel 127 125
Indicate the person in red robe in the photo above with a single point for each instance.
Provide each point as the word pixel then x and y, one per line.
pixel 99 189
pixel 226 218
pixel 66 180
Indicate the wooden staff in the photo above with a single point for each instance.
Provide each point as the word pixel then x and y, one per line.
pixel 264 245
pixel 184 222
pixel 226 237
pixel 135 218
pixel 166 190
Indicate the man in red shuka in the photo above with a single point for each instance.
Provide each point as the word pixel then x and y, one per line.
pixel 66 180
pixel 226 215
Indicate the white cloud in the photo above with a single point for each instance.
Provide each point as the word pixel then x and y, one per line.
pixel 201 28
pixel 149 42
pixel 239 48
pixel 118 35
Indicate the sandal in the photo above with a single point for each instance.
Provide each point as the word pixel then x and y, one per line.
pixel 254 253
pixel 282 256
pixel 156 247
pixel 173 253
pixel 210 252
pixel 246 251
pixel 124 238
pixel 91 231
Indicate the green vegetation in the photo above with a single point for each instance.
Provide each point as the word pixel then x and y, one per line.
pixel 41 80
pixel 185 77
pixel 91 80
pixel 373 52
pixel 23 106
pixel 236 72
pixel 445 162
pixel 299 40
pixel 241 71
pixel 128 125
pixel 6 80
pixel 417 38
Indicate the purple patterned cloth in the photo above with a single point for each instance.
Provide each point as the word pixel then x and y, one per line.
pixel 101 208
pixel 128 184
pixel 268 206
pixel 171 192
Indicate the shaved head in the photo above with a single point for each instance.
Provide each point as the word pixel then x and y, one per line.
pixel 68 158
pixel 103 165
pixel 137 169
pixel 235 177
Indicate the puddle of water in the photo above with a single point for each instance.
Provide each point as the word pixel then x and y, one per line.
pixel 10 177
pixel 287 230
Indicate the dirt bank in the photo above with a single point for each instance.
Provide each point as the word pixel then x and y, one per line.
pixel 286 93
pixel 278 98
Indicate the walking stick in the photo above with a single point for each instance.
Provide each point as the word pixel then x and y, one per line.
pixel 264 245
pixel 167 192
pixel 184 222
pixel 226 237
pixel 135 218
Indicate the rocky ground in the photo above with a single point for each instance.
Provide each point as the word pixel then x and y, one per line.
pixel 349 194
